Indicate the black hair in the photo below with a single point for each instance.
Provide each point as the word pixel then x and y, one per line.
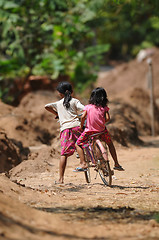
pixel 66 89
pixel 99 97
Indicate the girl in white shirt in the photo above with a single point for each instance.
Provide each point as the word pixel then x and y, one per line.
pixel 67 111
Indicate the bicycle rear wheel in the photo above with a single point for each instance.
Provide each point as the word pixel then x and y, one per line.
pixel 103 166
pixel 87 173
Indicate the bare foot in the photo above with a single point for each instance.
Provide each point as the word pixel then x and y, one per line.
pixel 59 182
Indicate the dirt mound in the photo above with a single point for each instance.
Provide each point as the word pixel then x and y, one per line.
pixel 30 123
pixel 140 100
pixel 127 76
pixel 127 87
pixel 19 221
pixel 11 152
pixel 25 126
pixel 38 168
pixel 133 113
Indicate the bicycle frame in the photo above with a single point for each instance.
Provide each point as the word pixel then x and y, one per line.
pixel 94 138
pixel 99 158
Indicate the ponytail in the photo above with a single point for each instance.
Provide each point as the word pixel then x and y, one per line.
pixel 66 89
pixel 67 99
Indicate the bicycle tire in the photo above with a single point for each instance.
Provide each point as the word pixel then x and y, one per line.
pixel 87 176
pixel 87 173
pixel 103 166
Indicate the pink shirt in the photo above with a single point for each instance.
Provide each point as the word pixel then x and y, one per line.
pixel 95 118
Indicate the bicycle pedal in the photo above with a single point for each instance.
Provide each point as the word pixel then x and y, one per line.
pixel 95 169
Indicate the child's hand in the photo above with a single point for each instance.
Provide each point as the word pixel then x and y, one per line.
pixel 83 128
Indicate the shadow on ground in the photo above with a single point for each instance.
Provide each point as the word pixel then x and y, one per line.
pixel 99 213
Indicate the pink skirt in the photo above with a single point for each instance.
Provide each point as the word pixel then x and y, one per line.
pixel 68 139
pixel 83 139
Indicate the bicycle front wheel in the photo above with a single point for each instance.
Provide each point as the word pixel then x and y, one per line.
pixel 103 166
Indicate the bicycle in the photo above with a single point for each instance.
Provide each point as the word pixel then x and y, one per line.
pixel 96 156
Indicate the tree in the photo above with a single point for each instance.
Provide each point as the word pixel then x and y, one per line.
pixel 48 37
pixel 72 38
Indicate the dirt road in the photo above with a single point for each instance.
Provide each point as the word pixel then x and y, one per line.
pixel 37 208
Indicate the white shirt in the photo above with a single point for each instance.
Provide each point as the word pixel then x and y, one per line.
pixel 68 117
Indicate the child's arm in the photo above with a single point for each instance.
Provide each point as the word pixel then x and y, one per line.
pixel 83 118
pixel 50 109
pixel 107 117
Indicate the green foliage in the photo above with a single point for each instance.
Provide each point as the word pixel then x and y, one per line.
pixel 127 24
pixel 83 75
pixel 157 217
pixel 54 37
pixel 47 37
pixel 4 95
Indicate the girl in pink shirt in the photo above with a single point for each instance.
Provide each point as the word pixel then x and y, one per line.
pixel 97 114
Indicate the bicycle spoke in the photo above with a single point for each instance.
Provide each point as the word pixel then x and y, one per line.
pixel 103 166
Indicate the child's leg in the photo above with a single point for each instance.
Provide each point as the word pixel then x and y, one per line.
pixel 107 138
pixel 62 166
pixel 113 153
pixel 81 155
